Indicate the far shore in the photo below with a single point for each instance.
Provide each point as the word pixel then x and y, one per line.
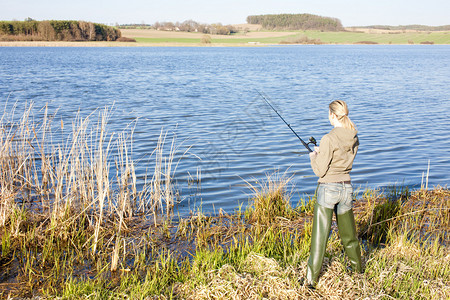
pixel 125 44
pixel 169 44
pixel 120 44
pixel 253 37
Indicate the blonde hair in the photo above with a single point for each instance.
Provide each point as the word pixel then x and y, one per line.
pixel 340 109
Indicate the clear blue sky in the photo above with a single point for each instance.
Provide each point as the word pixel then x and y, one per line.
pixel 350 12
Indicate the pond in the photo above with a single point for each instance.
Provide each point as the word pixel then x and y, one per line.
pixel 208 98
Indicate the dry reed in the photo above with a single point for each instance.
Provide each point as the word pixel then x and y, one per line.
pixel 75 174
pixel 65 177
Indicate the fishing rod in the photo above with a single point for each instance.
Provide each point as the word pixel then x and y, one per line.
pixel 311 139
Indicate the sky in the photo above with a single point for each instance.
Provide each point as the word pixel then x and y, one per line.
pixel 350 12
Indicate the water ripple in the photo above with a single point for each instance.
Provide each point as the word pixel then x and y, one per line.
pixel 208 99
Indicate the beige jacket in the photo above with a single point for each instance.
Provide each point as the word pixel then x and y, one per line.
pixel 337 151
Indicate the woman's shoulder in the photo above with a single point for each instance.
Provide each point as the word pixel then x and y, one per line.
pixel 340 133
pixel 336 131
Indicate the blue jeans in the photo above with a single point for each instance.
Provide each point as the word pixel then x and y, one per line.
pixel 337 196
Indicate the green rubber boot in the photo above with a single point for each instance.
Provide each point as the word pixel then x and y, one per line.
pixel 349 238
pixel 319 238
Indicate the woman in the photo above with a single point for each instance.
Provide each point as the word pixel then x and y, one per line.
pixel 332 162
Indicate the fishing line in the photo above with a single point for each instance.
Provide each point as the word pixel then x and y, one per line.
pixel 311 139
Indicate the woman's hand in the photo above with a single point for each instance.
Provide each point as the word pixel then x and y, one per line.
pixel 313 154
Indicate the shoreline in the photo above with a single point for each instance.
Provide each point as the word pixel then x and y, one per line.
pixel 247 37
pixel 211 255
pixel 124 44
pixel 173 44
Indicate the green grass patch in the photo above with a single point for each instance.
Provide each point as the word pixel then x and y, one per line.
pixel 214 39
pixel 323 37
pixel 268 40
pixel 381 38
pixel 169 40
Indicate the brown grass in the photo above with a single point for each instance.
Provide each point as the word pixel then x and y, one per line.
pixel 367 42
pixel 125 39
pixel 245 26
pixel 262 278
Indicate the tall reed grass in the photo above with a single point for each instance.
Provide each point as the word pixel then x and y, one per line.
pixel 77 184
pixel 89 171
pixel 270 199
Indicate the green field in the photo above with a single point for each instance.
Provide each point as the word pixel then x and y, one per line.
pixel 168 40
pixel 381 38
pixel 268 40
pixel 216 39
pixel 315 37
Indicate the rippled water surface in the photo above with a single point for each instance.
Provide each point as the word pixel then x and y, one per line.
pixel 208 97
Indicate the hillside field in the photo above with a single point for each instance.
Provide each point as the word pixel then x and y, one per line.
pixel 255 35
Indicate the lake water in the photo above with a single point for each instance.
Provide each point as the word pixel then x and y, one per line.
pixel 208 97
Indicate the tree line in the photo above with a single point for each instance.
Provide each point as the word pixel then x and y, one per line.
pixel 296 22
pixel 188 26
pixel 57 31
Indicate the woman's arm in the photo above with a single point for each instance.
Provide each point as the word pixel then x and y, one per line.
pixel 320 160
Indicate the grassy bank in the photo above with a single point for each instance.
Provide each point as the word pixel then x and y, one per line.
pixel 215 39
pixel 74 225
pixel 301 37
pixel 386 37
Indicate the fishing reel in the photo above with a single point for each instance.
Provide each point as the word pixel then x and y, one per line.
pixel 313 141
